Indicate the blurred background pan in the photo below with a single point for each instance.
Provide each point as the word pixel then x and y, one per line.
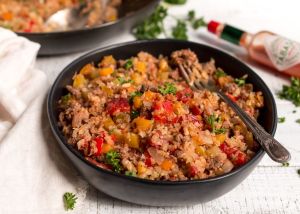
pixel 54 43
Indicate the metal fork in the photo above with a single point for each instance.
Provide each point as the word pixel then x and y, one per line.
pixel 271 146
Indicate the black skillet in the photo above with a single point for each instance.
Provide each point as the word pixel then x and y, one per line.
pixel 54 43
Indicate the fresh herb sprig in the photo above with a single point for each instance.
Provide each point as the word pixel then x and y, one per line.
pixel 69 200
pixel 153 26
pixel 168 88
pixel 128 64
pixel 122 80
pixel 241 81
pixel 112 158
pixel 281 119
pixel 212 120
pixel 220 73
pixel 175 1
pixel 291 92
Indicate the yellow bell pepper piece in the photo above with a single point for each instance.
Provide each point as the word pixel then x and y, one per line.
pixel 108 60
pixel 106 71
pixel 143 124
pixel 137 102
pixel 200 150
pixel 108 124
pixel 87 69
pixel 149 95
pixel 133 140
pixel 141 169
pixel 106 148
pixel 166 165
pixel 79 81
pixel 140 67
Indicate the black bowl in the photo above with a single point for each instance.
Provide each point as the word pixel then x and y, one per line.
pixel 161 193
pixel 53 43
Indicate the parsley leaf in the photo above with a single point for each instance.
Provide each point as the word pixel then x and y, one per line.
pixel 220 73
pixel 212 120
pixel 65 99
pixel 122 80
pixel 180 31
pixel 130 173
pixel 134 114
pixel 199 23
pixel 168 88
pixel 152 26
pixel 291 92
pixel 113 158
pixel 286 164
pixel 176 1
pixel 69 200
pixel 281 119
pixel 191 15
pixel 128 64
pixel 241 81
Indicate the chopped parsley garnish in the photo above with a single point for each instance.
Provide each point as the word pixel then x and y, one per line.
pixel 122 80
pixel 134 114
pixel 65 99
pixel 128 64
pixel 212 120
pixel 220 73
pixel 240 81
pixel 180 31
pixel 281 119
pixel 176 1
pixel 135 94
pixel 286 164
pixel 298 121
pixel 152 26
pixel 130 173
pixel 168 88
pixel 113 159
pixel 69 200
pixel 291 92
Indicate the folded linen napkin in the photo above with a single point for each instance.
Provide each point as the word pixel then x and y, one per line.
pixel 34 172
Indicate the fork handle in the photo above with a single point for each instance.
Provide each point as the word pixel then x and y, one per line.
pixel 272 147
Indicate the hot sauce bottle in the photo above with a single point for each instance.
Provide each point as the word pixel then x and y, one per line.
pixel 265 47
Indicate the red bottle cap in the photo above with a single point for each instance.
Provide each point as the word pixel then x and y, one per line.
pixel 212 26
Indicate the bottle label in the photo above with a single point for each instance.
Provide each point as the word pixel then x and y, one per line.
pixel 283 53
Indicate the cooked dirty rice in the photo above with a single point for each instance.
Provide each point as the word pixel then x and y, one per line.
pixel 31 15
pixel 138 117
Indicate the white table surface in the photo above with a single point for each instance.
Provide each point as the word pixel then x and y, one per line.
pixel 271 188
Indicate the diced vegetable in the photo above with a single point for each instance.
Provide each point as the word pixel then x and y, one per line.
pixel 149 95
pixel 87 69
pixel 117 105
pixel 140 67
pixel 200 150
pixel 108 124
pixel 79 81
pixel 99 144
pixel 137 78
pixel 106 148
pixel 163 65
pixel 167 88
pixel 220 138
pixel 137 102
pixel 106 71
pixel 7 16
pixel 107 90
pixel 141 168
pixel 133 140
pixel 143 124
pixel 167 165
pixel 107 61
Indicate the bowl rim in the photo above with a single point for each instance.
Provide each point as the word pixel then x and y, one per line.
pixel 96 27
pixel 60 137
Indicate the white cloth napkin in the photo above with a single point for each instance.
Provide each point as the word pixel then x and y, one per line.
pixel 34 172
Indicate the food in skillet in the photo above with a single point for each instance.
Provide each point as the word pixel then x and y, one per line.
pixel 138 117
pixel 30 15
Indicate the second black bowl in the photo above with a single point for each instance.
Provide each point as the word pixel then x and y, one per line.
pixel 160 193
